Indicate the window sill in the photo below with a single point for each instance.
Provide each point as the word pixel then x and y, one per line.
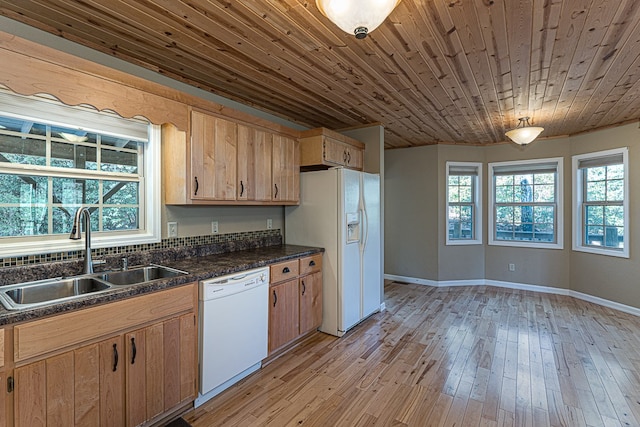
pixel 533 245
pixel 605 252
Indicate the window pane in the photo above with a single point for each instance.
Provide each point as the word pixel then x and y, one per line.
pixel 73 156
pixel 466 195
pixel 544 193
pixel 545 178
pixel 454 196
pixel 120 218
pixel 594 215
pixel 596 191
pixel 504 194
pixel 597 174
pixel 120 193
pixel 615 172
pixel 466 180
pixel 23 189
pixel 23 221
pixel 504 180
pixel 119 161
pixel 454 179
pixel 70 191
pixel 615 190
pixel 614 215
pixel 23 151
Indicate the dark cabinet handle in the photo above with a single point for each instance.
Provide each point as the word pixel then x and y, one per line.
pixel 348 156
pixel 312 263
pixel 195 193
pixel 241 188
pixel 133 350
pixel 344 156
pixel 115 357
pixel 276 195
pixel 304 288
pixel 286 270
pixel 275 298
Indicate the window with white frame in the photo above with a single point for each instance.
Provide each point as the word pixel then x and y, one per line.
pixel 464 213
pixel 55 159
pixel 526 203
pixel 600 197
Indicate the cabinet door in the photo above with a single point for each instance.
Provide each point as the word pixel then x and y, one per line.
pixel 30 399
pixel 254 164
pixel 283 313
pixel 136 375
pixel 213 157
pixel 82 387
pixel 111 382
pixel 310 302
pixel 286 169
pixel 354 158
pixel 334 152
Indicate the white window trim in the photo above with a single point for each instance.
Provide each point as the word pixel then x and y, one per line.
pixel 559 244
pixel 150 203
pixel 577 204
pixel 477 223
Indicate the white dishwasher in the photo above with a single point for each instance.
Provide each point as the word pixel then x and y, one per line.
pixel 233 329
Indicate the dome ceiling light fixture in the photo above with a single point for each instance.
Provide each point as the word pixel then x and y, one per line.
pixel 358 17
pixel 524 133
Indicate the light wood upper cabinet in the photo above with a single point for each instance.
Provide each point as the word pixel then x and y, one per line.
pixel 286 170
pixel 214 150
pixel 254 164
pixel 322 148
pixel 221 162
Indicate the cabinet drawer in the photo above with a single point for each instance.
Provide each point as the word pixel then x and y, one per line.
pixel 310 264
pixel 57 332
pixel 284 270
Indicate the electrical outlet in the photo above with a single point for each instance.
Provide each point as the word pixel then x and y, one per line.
pixel 512 267
pixel 269 224
pixel 214 227
pixel 172 229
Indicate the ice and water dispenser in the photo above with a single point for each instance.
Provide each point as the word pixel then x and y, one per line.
pixel 353 227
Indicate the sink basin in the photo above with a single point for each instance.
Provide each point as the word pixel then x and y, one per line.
pixel 140 275
pixel 46 291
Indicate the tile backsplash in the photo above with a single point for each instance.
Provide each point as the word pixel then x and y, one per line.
pixel 250 238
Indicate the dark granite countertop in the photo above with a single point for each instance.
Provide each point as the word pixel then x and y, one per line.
pixel 198 267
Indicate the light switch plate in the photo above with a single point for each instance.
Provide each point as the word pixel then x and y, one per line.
pixel 214 227
pixel 172 229
pixel 269 224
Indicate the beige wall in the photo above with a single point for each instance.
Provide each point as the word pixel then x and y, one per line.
pixel 416 225
pixel 411 210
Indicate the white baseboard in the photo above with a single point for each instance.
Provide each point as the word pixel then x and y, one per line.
pixel 520 286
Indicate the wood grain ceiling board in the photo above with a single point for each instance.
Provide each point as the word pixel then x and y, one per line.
pixel 436 71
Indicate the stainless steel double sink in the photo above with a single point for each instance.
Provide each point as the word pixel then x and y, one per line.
pixel 43 292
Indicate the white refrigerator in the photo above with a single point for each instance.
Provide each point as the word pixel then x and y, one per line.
pixel 340 211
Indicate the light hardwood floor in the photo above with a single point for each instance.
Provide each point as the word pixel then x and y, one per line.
pixel 460 356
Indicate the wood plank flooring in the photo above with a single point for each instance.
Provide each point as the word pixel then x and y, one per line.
pixel 460 356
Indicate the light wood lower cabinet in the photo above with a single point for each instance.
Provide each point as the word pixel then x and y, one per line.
pixel 159 360
pixel 295 300
pixel 127 379
pixel 80 387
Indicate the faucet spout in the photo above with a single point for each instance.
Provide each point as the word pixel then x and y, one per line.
pixel 87 265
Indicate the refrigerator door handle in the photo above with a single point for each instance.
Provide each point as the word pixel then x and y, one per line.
pixel 365 232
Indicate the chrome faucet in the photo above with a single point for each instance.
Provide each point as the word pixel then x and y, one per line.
pixel 87 266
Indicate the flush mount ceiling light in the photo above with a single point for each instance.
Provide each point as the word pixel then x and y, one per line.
pixel 524 133
pixel 358 17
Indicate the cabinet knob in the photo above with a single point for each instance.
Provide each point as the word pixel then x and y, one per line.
pixel 286 270
pixel 312 263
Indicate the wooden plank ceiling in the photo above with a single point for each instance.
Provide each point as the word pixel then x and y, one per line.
pixel 436 71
